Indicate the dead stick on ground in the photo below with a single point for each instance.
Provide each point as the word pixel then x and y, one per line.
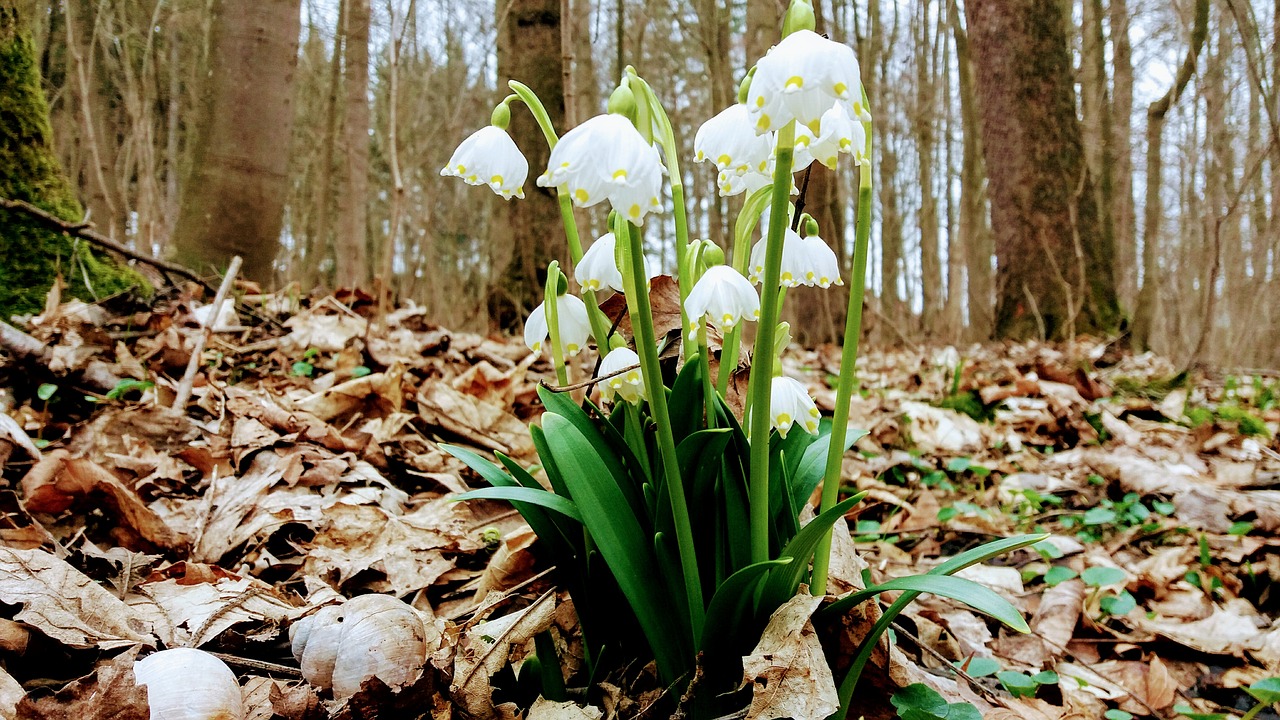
pixel 189 377
pixel 97 375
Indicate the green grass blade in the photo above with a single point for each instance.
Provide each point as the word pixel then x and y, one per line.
pixel 979 597
pixel 532 496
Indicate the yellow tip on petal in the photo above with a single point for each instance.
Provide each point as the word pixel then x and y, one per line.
pixel 581 195
pixel 841 89
pixel 795 82
pixel 759 101
pixel 634 211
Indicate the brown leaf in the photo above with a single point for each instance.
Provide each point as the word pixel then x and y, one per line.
pixel 484 649
pixel 110 693
pixel 66 605
pixel 787 669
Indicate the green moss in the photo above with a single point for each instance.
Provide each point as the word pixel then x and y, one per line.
pixel 31 256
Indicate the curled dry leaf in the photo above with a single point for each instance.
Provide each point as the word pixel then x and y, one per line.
pixel 787 669
pixel 485 648
pixel 109 693
pixel 66 605
pixel 544 709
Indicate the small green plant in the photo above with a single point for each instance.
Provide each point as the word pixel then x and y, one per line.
pixel 305 367
pixel 1266 692
pixel 921 702
pixel 1023 685
pixel 128 385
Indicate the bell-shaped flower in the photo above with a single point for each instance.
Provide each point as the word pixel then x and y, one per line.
pixel 822 267
pixel 730 141
pixel 803 152
pixel 606 158
pixel 490 157
pixel 840 134
pixel 789 403
pixel 575 328
pixel 723 296
pixel 730 184
pixel 805 261
pixel 598 269
pixel 621 372
pixel 801 78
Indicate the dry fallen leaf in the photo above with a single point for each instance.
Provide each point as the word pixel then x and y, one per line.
pixel 787 669
pixel 109 693
pixel 544 709
pixel 64 604
pixel 484 649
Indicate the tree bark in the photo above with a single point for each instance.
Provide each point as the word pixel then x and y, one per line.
pixel 1148 309
pixel 1123 215
pixel 1055 264
pixel 523 245
pixel 352 261
pixel 922 128
pixel 234 195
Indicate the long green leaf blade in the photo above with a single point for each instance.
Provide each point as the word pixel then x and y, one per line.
pixel 533 496
pixel 979 597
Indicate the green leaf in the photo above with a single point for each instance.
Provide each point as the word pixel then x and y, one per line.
pixel 1102 576
pixel 360 371
pixel 920 702
pixel 813 463
pixel 1164 508
pixel 542 498
pixel 127 385
pixel 979 666
pixel 1266 690
pixel 783 581
pixel 1058 574
pixel 1117 714
pixel 732 608
pixel 1047 550
pixel 564 406
pixel 1018 684
pixel 626 547
pixel 979 597
pixel 1120 604
pixel 958 465
pixel 1048 677
pixel 302 369
pixel 1190 712
pixel 46 391
pixel 1099 516
pixel 1240 527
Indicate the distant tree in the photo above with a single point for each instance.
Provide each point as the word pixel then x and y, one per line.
pixel 527 235
pixel 31 257
pixel 1055 274
pixel 352 260
pixel 234 194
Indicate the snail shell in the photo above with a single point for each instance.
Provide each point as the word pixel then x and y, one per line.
pixel 189 684
pixel 369 636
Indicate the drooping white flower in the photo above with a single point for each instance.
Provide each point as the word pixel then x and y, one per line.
pixel 731 184
pixel 822 267
pixel 789 403
pixel 840 134
pixel 628 385
pixel 805 261
pixel 490 157
pixel 598 269
pixel 803 153
pixel 606 158
pixel 801 78
pixel 730 141
pixel 575 328
pixel 724 296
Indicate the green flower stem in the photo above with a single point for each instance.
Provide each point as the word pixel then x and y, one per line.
pixel 763 359
pixel 848 376
pixel 745 224
pixel 728 358
pixel 637 291
pixel 599 323
pixel 553 321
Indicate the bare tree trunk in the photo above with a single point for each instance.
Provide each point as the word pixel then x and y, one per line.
pixel 233 199
pixel 320 244
pixel 1148 308
pixel 1097 125
pixel 975 230
pixel 1123 214
pixel 352 261
pixel 1054 278
pixel 922 128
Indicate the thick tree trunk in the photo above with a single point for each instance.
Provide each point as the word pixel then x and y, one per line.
pixel 922 129
pixel 234 195
pixel 1055 264
pixel 353 203
pixel 1123 214
pixel 528 234
pixel 30 256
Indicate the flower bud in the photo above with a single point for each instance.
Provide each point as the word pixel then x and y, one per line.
pixel 810 225
pixel 744 88
pixel 781 339
pixel 501 117
pixel 712 254
pixel 799 16
pixel 623 102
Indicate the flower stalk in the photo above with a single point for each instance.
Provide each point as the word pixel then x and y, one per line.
pixel 762 362
pixel 551 294
pixel 848 368
pixel 641 312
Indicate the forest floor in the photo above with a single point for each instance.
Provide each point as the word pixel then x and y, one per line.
pixel 306 468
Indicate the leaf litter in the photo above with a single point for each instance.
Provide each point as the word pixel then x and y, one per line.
pixel 307 470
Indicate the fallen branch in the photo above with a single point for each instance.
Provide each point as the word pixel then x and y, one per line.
pixel 96 374
pixel 189 377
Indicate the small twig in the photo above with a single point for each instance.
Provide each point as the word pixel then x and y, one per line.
pixel 225 608
pixel 982 689
pixel 189 377
pixel 587 383
pixel 262 665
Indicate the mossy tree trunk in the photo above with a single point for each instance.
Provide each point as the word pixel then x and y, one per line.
pixel 31 257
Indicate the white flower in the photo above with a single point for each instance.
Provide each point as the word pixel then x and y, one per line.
pixel 805 261
pixel 490 157
pixel 606 158
pixel 730 141
pixel 731 184
pixel 801 78
pixel 575 328
pixel 723 295
pixel 840 134
pixel 789 403
pixel 803 155
pixel 628 385
pixel 598 269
